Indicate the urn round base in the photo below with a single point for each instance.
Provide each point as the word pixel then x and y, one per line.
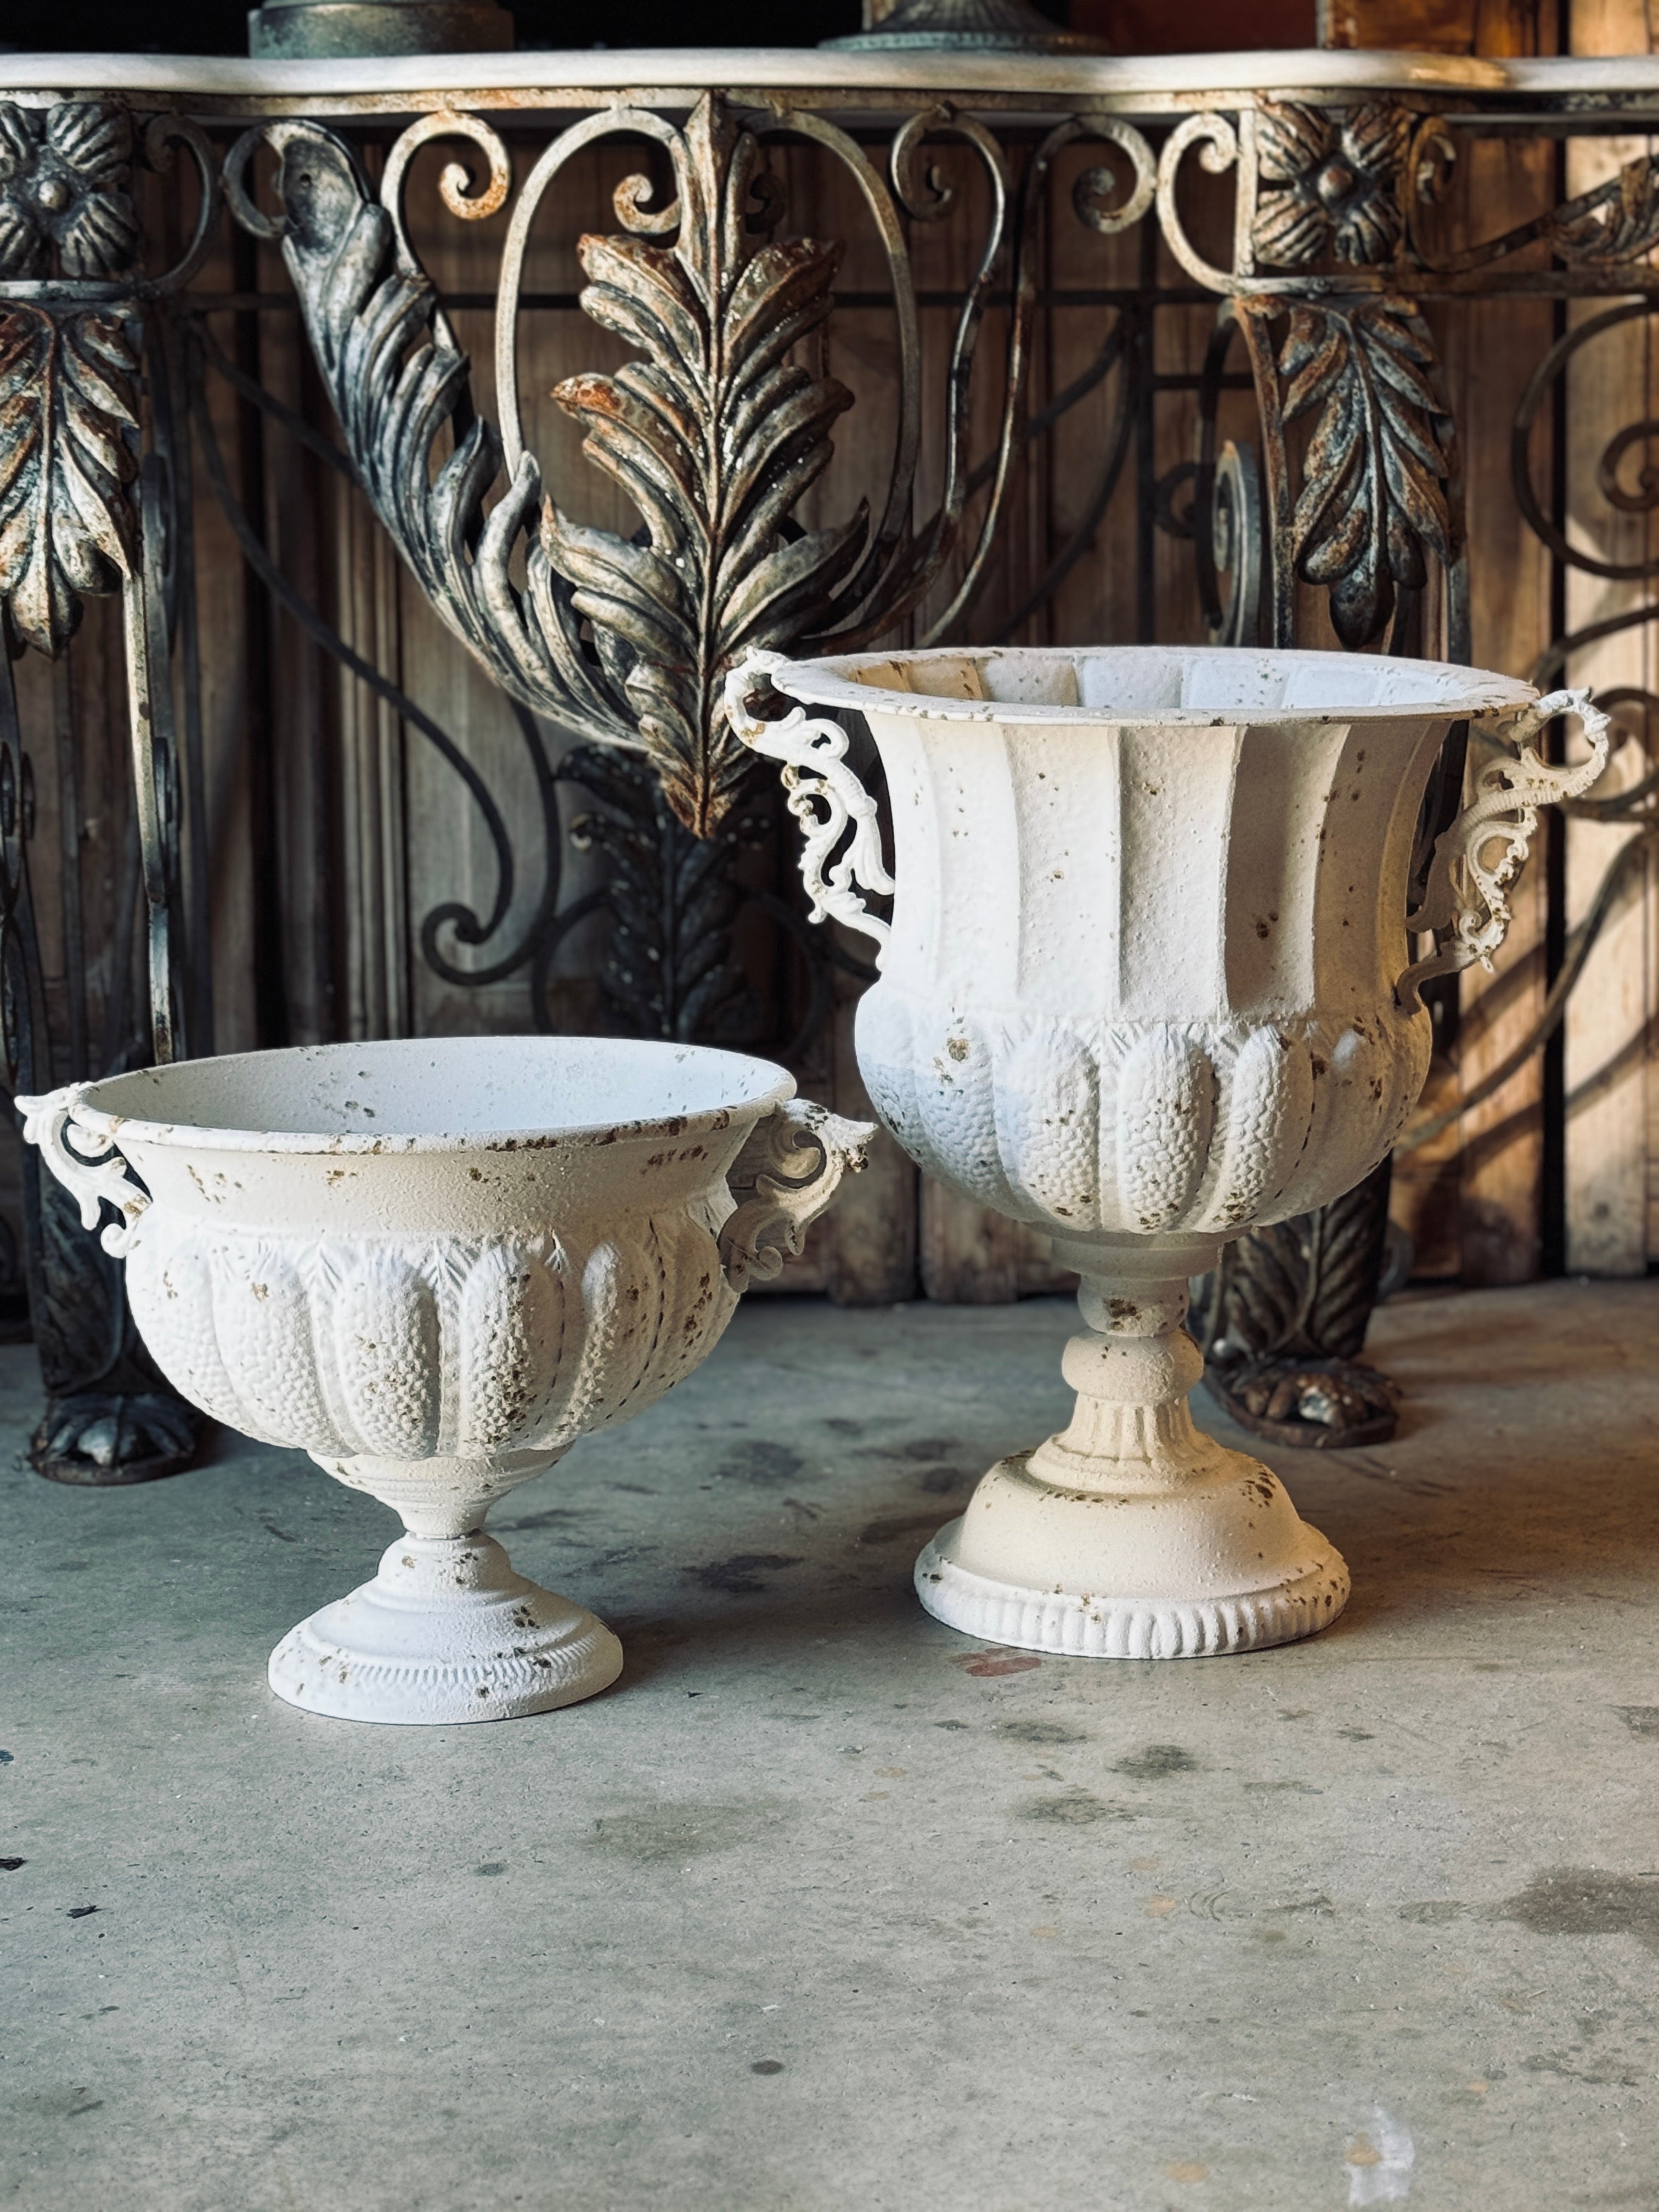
pixel 446 1632
pixel 1099 1624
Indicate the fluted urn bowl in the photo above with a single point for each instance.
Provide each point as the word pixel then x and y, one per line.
pixel 1146 984
pixel 434 1266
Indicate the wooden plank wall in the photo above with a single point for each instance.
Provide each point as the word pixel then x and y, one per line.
pixel 1473 1203
pixel 1610 1083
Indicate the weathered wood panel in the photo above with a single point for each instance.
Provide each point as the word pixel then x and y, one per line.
pixel 1491 348
pixel 1611 385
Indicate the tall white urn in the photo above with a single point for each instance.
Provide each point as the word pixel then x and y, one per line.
pixel 434 1266
pixel 1147 984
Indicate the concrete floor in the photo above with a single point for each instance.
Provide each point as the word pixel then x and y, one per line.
pixel 822 1908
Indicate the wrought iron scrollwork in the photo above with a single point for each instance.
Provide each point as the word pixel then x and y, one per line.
pixel 716 431
pixel 1596 233
pixel 83 516
pixel 1229 512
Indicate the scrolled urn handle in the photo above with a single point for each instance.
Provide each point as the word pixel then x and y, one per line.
pixel 1465 893
pixel 89 1182
pixel 814 752
pixel 790 1168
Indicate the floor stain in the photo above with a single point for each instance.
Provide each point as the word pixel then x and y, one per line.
pixel 762 1465
pixel 740 1575
pixel 1560 2062
pixel 1072 1809
pixel 888 1532
pixel 1587 1901
pixel 988 1664
pixel 940 1481
pixel 678 1829
pixel 620 1555
pixel 1640 1720
pixel 1156 1762
pixel 1040 1732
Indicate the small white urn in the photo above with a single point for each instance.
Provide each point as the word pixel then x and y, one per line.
pixel 434 1266
pixel 1147 984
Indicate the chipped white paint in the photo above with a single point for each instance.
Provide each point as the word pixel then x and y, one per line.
pixel 1147 985
pixel 433 1267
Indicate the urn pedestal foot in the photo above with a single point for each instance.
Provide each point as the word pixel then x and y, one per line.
pixel 446 1632
pixel 1132 1536
pixel 1107 1623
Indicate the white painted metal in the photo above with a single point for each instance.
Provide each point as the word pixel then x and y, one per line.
pixel 1147 985
pixel 434 1266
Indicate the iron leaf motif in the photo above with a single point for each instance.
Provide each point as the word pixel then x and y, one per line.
pixel 66 402
pixel 1373 501
pixel 673 898
pixel 399 386
pixel 714 435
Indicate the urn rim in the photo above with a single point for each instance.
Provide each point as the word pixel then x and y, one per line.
pixel 752 1087
pixel 1434 689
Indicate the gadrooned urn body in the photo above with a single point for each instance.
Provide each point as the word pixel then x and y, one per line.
pixel 455 1294
pixel 1148 934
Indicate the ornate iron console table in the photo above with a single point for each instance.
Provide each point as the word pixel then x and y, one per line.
pixel 1002 223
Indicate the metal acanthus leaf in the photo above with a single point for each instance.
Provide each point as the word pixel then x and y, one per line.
pixel 66 406
pixel 398 383
pixel 714 435
pixel 1373 503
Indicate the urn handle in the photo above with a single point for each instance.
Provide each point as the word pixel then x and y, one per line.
pixel 1464 892
pixel 790 1168
pixel 814 752
pixel 105 1176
